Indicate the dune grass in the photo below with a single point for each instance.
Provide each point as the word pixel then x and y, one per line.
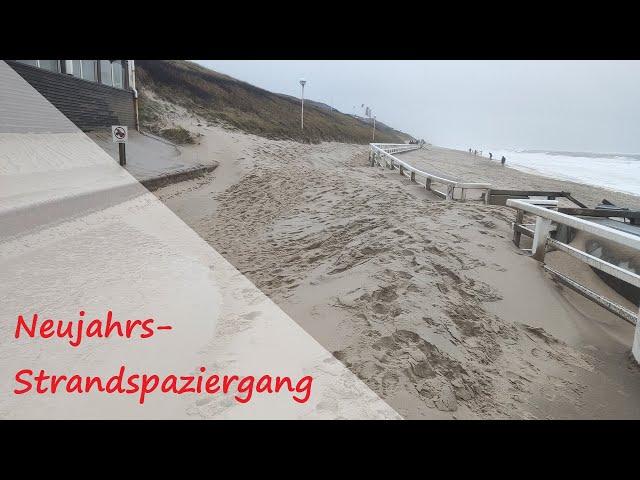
pixel 224 100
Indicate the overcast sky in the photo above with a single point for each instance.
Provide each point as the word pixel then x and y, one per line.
pixel 591 106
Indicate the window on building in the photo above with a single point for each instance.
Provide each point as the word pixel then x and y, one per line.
pixel 89 68
pixel 106 74
pixel 51 65
pixel 118 74
pixel 77 68
pixel 112 73
pixel 85 69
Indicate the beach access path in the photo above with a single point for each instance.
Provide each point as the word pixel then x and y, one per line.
pixel 70 176
pixel 151 157
pixel 427 301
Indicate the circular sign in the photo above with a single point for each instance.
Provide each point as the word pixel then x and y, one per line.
pixel 119 133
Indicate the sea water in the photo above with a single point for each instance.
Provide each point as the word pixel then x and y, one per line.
pixel 618 172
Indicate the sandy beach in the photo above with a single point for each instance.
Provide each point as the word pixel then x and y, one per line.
pixel 480 169
pixel 427 301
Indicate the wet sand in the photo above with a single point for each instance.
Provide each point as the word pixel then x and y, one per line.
pixel 427 301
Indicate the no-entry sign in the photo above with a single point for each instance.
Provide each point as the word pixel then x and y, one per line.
pixel 119 133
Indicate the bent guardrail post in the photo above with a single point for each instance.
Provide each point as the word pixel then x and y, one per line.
pixel 487 196
pixel 540 237
pixel 516 230
pixel 544 217
pixel 450 192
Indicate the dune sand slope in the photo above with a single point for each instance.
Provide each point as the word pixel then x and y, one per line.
pixel 426 301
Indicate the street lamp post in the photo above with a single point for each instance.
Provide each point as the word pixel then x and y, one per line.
pixel 302 83
pixel 374 128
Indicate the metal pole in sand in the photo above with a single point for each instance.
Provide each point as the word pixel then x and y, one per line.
pixel 374 128
pixel 302 82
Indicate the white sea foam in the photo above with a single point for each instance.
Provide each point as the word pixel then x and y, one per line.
pixel 613 171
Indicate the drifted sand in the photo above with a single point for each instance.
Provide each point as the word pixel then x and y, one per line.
pixel 427 301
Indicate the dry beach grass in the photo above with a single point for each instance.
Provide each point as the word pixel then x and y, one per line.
pixel 220 99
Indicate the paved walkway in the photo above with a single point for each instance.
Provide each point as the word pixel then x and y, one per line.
pixel 147 156
pixel 54 167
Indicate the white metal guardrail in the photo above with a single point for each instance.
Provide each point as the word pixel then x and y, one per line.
pixel 384 152
pixel 541 238
pixel 396 147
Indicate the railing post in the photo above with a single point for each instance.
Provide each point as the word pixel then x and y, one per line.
pixel 427 185
pixel 636 340
pixel 487 196
pixel 540 235
pixel 413 176
pixel 450 192
pixel 401 170
pixel 517 223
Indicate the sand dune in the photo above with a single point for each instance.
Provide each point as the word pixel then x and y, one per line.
pixel 427 301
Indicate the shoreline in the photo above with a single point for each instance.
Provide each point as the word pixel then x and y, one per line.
pixel 538 173
pixel 475 168
pixel 538 169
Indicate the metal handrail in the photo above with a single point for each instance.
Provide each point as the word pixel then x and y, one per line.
pixel 603 231
pixel 377 148
pixel 541 239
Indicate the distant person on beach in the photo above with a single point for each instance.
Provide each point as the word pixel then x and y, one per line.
pixel 490 156
pixel 503 160
pixel 475 152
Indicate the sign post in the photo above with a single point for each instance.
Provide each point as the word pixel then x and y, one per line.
pixel 636 340
pixel 120 135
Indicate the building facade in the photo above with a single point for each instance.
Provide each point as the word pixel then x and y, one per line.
pixel 93 94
